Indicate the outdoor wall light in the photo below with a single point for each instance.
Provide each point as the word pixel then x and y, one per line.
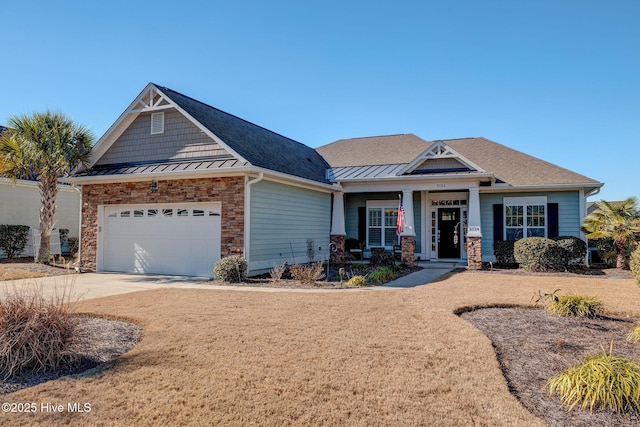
pixel 154 186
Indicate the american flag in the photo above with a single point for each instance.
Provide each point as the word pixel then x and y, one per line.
pixel 400 222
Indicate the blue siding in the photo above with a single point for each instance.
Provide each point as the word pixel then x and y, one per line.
pixel 568 214
pixel 282 219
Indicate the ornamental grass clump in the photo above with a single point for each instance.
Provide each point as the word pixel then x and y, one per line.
pixel 35 332
pixel 231 269
pixel 603 380
pixel 356 281
pixel 381 275
pixel 576 306
pixel 634 333
pixel 634 264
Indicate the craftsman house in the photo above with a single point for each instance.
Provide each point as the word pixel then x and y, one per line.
pixel 175 184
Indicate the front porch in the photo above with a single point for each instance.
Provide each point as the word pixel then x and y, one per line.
pixel 436 225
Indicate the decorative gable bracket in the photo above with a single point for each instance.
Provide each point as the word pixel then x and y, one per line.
pixel 440 150
pixel 151 100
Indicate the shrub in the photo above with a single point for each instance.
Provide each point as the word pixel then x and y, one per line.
pixel 539 254
pixel 634 263
pixel 13 239
pixel 308 274
pixel 74 243
pixel 634 334
pixel 381 259
pixel 381 275
pixel 603 380
pixel 277 271
pixel 575 250
pixel 35 332
pixel 231 269
pixel 503 251
pixel 576 306
pixel 607 251
pixel 357 281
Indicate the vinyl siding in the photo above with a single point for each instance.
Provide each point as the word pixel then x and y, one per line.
pixel 282 219
pixel 181 140
pixel 353 201
pixel 568 215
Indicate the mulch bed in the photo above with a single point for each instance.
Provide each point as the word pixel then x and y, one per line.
pixel 26 263
pixel 97 341
pixel 533 346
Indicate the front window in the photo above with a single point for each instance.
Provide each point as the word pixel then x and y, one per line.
pixel 381 226
pixel 524 220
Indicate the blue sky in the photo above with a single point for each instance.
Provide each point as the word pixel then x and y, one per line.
pixel 556 79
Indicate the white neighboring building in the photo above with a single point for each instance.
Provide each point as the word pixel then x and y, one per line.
pixel 20 205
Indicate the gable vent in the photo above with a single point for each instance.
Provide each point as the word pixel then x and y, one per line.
pixel 157 123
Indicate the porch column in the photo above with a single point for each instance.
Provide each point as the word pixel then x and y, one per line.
pixel 337 228
pixel 474 232
pixel 408 235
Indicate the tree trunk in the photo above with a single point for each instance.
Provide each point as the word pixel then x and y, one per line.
pixel 621 254
pixel 48 192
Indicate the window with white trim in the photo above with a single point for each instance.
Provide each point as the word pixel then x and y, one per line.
pixel 382 220
pixel 525 217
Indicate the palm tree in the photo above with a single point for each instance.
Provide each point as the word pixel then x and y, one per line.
pixel 43 146
pixel 619 221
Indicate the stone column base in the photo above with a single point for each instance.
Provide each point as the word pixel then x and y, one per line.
pixel 408 245
pixel 337 249
pixel 474 253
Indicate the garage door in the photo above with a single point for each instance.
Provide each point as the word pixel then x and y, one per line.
pixel 180 239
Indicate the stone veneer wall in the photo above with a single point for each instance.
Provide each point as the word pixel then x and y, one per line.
pixel 408 246
pixel 474 253
pixel 229 191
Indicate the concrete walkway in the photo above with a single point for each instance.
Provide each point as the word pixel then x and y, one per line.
pixel 96 285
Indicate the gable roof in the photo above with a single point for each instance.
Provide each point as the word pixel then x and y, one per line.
pixel 364 158
pixel 249 144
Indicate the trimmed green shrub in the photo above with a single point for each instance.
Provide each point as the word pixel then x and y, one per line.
pixel 35 332
pixel 381 275
pixel 634 262
pixel 539 254
pixel 13 239
pixel 576 306
pixel 503 251
pixel 603 380
pixel 381 259
pixel 575 250
pixel 356 281
pixel 231 269
pixel 307 274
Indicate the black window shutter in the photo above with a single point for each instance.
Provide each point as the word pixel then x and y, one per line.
pixel 553 223
pixel 498 222
pixel 362 224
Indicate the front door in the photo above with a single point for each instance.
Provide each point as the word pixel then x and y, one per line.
pixel 449 233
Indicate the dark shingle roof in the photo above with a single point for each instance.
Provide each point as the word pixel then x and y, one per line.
pixel 259 146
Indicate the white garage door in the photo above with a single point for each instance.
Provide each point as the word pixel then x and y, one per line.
pixel 180 239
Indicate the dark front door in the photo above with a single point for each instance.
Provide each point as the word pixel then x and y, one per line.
pixel 448 235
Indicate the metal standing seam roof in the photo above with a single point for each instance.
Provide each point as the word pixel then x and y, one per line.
pixel 163 167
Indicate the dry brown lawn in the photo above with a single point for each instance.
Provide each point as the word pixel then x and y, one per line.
pixel 364 357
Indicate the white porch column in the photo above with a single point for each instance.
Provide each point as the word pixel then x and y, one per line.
pixel 473 226
pixel 407 203
pixel 337 216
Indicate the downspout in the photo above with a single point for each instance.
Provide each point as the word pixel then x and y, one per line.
pixel 247 213
pixel 76 265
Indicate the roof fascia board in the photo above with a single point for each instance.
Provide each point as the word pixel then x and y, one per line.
pixel 25 183
pixel 238 171
pixel 441 185
pixel 439 144
pixel 552 187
